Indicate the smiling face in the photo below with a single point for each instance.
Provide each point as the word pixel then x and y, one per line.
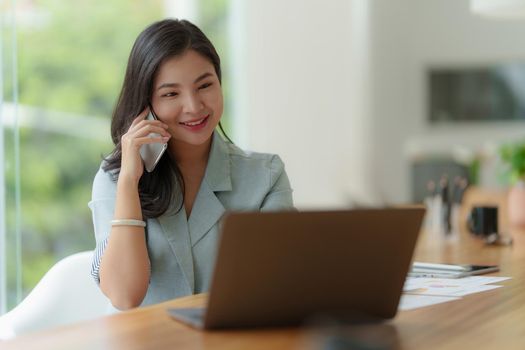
pixel 187 96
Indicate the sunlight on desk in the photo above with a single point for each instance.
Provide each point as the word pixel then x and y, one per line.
pixel 487 320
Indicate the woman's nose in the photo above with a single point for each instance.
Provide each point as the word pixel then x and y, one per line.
pixel 193 103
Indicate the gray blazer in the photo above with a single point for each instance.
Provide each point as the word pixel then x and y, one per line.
pixel 182 251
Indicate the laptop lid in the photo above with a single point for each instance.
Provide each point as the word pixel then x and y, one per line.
pixel 283 268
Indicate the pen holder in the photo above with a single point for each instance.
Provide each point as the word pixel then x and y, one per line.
pixel 483 221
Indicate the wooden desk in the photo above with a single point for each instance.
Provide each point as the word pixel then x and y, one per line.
pixel 488 320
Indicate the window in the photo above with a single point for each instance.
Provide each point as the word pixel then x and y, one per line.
pixel 58 97
pixel 477 94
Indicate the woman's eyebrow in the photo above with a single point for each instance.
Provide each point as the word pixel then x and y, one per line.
pixel 172 85
pixel 203 76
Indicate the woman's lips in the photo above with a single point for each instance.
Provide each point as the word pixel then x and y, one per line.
pixel 196 124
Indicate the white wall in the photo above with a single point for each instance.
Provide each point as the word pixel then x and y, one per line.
pixel 337 88
pixel 301 93
pixel 407 37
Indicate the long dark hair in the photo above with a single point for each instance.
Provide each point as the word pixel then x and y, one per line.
pixel 158 42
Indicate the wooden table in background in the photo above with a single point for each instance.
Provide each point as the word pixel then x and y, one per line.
pixel 490 320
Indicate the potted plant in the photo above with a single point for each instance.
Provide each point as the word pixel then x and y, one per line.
pixel 513 156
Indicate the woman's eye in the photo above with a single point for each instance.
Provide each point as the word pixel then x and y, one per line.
pixel 204 86
pixel 170 94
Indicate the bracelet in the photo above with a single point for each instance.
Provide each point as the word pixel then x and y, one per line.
pixel 128 222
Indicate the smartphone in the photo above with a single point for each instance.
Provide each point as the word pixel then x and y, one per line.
pixel 480 269
pixel 152 152
pixel 449 270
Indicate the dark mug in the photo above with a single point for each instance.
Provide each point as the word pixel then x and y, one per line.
pixel 483 221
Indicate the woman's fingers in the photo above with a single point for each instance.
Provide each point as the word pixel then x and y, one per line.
pixel 147 140
pixel 137 135
pixel 135 141
pixel 140 117
pixel 148 129
pixel 141 123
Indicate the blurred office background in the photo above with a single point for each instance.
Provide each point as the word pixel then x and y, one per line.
pixel 351 93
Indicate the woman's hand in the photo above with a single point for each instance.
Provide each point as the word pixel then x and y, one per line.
pixel 132 166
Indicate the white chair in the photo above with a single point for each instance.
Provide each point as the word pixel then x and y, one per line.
pixel 66 294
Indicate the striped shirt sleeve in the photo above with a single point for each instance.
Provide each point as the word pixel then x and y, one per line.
pixel 97 256
pixel 102 206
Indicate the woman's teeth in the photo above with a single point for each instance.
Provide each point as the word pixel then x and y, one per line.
pixel 195 122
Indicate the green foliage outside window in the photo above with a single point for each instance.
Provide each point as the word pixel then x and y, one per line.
pixel 71 58
pixel 71 61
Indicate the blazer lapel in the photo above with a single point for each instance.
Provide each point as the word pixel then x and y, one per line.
pixel 175 228
pixel 207 209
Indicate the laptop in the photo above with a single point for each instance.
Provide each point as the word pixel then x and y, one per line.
pixel 287 268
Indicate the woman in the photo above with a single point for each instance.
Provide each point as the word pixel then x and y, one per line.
pixel 157 232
